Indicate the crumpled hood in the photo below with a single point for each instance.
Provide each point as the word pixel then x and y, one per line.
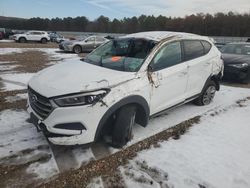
pixel 235 59
pixel 74 77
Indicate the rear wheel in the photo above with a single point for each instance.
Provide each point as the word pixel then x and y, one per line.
pixel 22 40
pixel 122 130
pixel 43 40
pixel 77 49
pixel 207 94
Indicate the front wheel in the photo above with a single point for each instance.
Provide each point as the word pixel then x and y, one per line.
pixel 44 41
pixel 22 40
pixel 122 131
pixel 207 94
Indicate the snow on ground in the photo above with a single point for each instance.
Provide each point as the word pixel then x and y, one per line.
pixel 17 97
pixel 7 51
pixel 18 81
pixel 20 143
pixel 214 153
pixel 6 40
pixel 6 67
pixel 225 97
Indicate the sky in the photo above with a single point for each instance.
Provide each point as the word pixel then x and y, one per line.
pixel 92 9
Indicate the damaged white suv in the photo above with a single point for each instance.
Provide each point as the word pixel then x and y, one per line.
pixel 123 82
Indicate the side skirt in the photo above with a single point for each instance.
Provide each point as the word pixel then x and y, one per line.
pixel 175 106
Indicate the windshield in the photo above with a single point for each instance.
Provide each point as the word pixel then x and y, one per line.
pixel 121 54
pixel 242 49
pixel 80 38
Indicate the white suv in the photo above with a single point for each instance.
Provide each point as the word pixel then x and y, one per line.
pixel 123 82
pixel 38 36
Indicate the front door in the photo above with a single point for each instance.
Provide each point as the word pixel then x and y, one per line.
pixel 168 77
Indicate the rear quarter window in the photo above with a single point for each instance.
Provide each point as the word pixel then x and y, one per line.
pixel 192 49
pixel 207 46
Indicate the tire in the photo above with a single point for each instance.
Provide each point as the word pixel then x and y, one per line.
pixel 43 40
pixel 122 130
pixel 77 49
pixel 207 94
pixel 22 40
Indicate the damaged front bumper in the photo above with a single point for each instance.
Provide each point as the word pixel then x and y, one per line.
pixel 69 125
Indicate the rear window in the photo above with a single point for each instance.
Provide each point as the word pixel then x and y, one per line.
pixel 193 49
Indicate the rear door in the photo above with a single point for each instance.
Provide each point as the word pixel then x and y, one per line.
pixel 196 55
pixel 98 41
pixel 168 77
pixel 89 44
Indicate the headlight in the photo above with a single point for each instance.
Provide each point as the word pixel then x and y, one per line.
pixel 239 65
pixel 81 99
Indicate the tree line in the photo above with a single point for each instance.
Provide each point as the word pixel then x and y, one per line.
pixel 219 24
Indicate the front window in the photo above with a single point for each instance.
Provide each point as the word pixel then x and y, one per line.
pixel 168 56
pixel 121 54
pixel 241 49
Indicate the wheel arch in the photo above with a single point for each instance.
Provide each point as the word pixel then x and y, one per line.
pixel 216 79
pixel 77 45
pixel 142 112
pixel 22 37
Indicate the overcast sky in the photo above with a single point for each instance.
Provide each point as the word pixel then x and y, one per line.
pixel 117 8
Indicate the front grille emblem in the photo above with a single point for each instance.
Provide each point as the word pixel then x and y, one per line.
pixel 33 98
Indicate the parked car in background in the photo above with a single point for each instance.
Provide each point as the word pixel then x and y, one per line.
pixel 54 37
pixel 85 44
pixel 1 35
pixel 236 58
pixel 36 36
pixel 219 45
pixel 124 81
pixel 6 33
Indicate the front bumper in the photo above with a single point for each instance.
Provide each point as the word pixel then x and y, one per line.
pixel 67 48
pixel 87 116
pixel 236 74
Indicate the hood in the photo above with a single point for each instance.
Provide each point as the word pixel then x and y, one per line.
pixel 235 59
pixel 75 76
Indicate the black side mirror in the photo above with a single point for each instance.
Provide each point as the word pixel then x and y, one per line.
pixel 150 68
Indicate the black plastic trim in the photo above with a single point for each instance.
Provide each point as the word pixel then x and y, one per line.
pixel 142 116
pixel 71 126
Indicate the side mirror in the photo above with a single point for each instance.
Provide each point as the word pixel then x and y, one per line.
pixel 150 68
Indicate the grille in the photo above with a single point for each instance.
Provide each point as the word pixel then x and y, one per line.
pixel 40 104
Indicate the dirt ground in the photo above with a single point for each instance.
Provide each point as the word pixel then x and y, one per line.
pixel 107 167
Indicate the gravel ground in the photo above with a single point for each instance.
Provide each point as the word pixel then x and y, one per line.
pixel 27 45
pixel 107 167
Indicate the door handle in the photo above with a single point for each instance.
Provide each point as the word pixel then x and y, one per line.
pixel 183 73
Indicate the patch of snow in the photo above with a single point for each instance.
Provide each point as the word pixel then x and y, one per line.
pixel 6 40
pixel 7 67
pixel 214 153
pixel 43 170
pixel 7 51
pixel 82 155
pixel 95 182
pixel 56 55
pixel 18 136
pixel 17 97
pixel 225 97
